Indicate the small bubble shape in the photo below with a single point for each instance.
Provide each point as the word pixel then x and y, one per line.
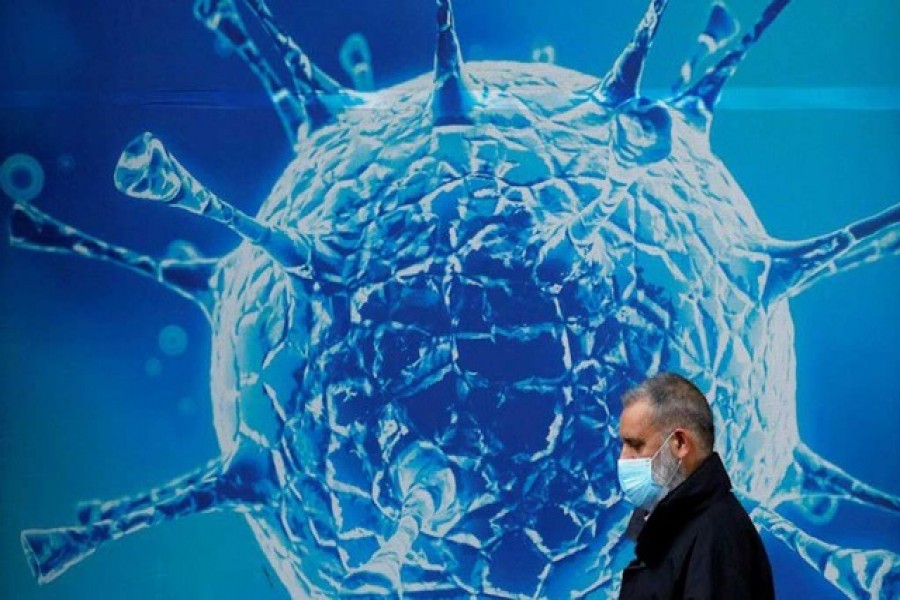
pixel 186 406
pixel 65 163
pixel 153 367
pixel 543 53
pixel 356 59
pixel 21 177
pixel 173 340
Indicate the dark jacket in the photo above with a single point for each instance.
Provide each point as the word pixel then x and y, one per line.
pixel 699 543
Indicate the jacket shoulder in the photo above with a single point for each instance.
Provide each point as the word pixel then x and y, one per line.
pixel 726 558
pixel 725 537
pixel 724 521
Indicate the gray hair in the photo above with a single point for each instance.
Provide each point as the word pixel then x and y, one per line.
pixel 676 402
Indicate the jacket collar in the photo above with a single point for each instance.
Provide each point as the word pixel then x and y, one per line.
pixel 706 484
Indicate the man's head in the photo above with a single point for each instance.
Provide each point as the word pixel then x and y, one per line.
pixel 667 409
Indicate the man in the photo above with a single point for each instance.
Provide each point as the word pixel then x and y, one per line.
pixel 694 539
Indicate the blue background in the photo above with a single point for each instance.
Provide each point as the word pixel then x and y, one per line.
pixel 81 418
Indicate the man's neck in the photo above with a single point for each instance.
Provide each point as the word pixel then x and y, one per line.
pixel 690 463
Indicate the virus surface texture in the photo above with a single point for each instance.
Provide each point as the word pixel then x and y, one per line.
pixel 420 346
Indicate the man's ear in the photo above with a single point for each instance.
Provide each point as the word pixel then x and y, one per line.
pixel 683 442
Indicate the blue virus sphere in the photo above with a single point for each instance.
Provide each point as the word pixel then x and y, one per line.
pixel 419 349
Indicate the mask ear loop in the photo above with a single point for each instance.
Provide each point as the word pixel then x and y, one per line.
pixel 675 470
pixel 663 445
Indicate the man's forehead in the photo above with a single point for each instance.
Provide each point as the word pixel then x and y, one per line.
pixel 637 420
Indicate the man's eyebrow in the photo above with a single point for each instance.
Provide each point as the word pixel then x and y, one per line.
pixel 631 441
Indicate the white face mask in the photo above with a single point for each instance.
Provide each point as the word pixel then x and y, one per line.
pixel 638 484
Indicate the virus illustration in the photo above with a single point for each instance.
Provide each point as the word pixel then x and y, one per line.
pixel 420 346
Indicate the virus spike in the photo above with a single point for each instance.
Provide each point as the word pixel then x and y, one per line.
pixel 429 505
pixel 621 83
pixel 813 476
pixel 857 573
pixel 451 100
pixel 146 170
pixel 721 27
pixel 222 18
pixel 381 573
pixel 243 483
pixel 576 239
pixel 708 89
pixel 798 265
pixel 34 230
pixel 323 97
